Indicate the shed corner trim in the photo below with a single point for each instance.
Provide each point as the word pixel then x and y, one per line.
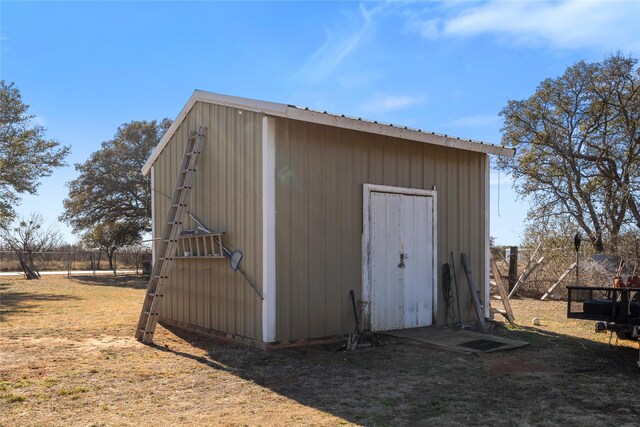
pixel 269 229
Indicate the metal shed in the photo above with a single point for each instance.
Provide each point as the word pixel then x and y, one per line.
pixel 320 204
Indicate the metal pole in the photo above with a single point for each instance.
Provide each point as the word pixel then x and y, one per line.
pixel 577 239
pixel 513 267
pixel 577 268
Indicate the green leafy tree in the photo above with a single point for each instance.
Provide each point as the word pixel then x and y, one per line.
pixel 578 148
pixel 110 236
pixel 25 155
pixel 111 187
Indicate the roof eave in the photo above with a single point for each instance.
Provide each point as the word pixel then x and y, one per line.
pixel 396 132
pixel 271 108
pixel 295 113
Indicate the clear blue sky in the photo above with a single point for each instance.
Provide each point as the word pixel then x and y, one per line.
pixel 87 67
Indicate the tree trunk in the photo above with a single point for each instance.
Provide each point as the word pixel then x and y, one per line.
pixel 31 262
pixel 597 242
pixel 110 257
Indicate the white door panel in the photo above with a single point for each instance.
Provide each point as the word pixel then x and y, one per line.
pixel 386 240
pixel 401 261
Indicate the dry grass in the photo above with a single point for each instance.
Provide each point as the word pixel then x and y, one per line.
pixel 68 358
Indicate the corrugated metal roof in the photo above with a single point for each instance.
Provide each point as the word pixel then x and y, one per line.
pixel 329 119
pixel 391 125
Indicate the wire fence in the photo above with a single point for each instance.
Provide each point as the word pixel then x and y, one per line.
pixel 593 269
pixel 78 260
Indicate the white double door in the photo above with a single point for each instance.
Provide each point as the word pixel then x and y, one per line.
pixel 402 260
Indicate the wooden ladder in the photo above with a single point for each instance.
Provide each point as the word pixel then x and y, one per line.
pixel 168 243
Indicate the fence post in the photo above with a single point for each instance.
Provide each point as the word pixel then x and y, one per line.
pixel 513 267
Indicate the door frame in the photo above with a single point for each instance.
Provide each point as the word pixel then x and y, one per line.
pixel 367 189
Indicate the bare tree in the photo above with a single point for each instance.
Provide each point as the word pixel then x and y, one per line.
pixel 29 239
pixel 139 253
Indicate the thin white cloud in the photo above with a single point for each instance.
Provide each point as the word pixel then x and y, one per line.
pixel 429 29
pixel 604 25
pixel 481 120
pixel 360 79
pixel 337 46
pixel 386 103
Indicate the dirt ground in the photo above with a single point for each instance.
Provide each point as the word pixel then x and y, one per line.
pixel 67 357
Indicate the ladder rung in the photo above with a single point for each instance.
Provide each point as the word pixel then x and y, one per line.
pixel 144 331
pixel 183 187
pixel 148 313
pixel 153 294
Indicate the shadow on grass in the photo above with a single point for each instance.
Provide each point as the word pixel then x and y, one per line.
pixel 132 281
pixel 574 355
pixel 20 302
pixel 408 383
pixel 205 361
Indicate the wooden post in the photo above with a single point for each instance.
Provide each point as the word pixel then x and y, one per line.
pixel 525 275
pixel 475 293
pixel 567 271
pixel 513 267
pixel 497 277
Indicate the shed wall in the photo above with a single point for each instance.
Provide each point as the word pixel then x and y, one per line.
pixel 226 196
pixel 320 172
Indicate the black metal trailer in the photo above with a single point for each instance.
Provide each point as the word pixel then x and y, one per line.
pixel 613 309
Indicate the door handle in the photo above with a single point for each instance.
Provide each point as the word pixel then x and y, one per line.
pixel 403 256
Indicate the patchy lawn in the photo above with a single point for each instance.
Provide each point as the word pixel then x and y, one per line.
pixel 68 357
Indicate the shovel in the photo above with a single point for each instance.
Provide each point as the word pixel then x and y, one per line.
pixel 353 338
pixel 234 258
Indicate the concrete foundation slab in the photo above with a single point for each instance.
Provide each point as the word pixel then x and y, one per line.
pixel 463 341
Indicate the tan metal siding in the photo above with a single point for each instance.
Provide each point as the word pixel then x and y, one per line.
pixel 226 196
pixel 320 172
